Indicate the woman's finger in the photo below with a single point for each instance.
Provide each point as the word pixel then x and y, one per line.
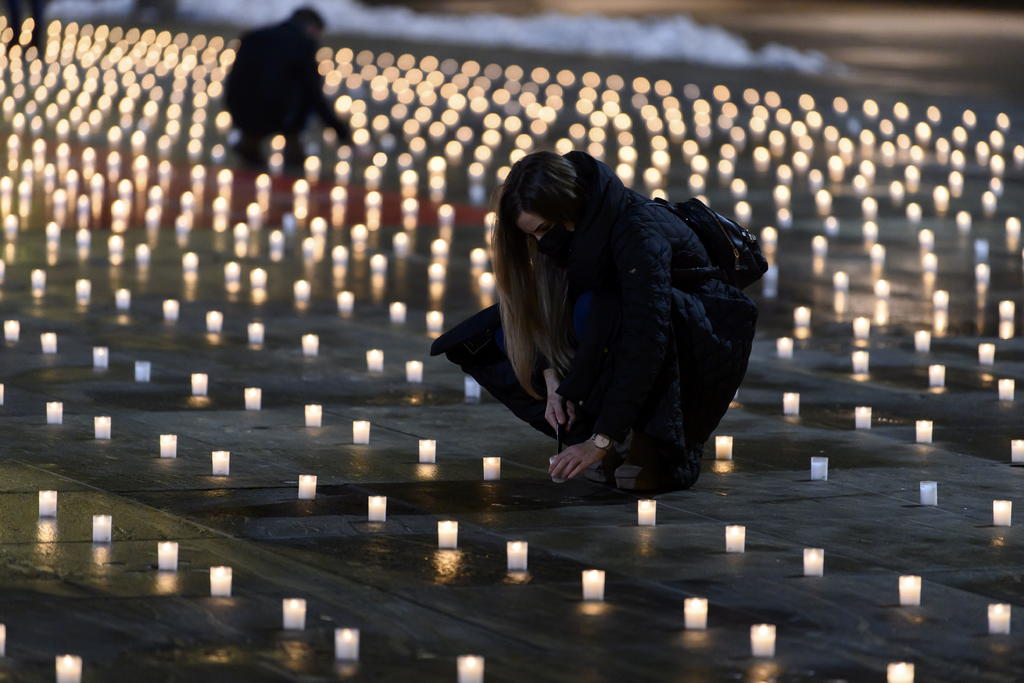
pixel 572 410
pixel 559 411
pixel 549 415
pixel 563 465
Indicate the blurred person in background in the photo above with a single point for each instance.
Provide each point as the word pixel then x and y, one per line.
pixel 274 87
pixel 14 14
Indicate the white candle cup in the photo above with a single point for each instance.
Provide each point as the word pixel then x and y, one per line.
pixel 1006 389
pixel 862 417
pixel 986 354
pixel 12 331
pixel 3 640
pixel 936 376
pixel 220 582
pixel 102 527
pixel 100 357
pixel 492 469
pixel 143 369
pixel 819 468
pixel 361 432
pixel 762 640
pixel 346 644
pixel 397 312
pixel 860 361
pixel 168 446
pixel 48 342
pixel 1017 451
pixel 314 415
pixel 929 493
pixel 414 372
pixel 428 451
pixel 68 669
pixel 220 463
pixel 167 556
pixel 999 619
pixel 841 282
pixel 171 309
pixel 790 404
pixel 922 341
pixel 123 300
pixel 447 535
pixel 214 322
pixel 470 669
pixel 646 512
pixel 375 361
pixel 517 552
pixel 910 591
pixel 346 302
pixel 253 398
pixel 256 333
pixel 471 389
pixel 310 345
pixel 200 383
pixel 593 584
pixel 695 614
pixel 723 447
pixel 54 413
pixel 293 614
pixel 301 290
pixel 47 504
pixel 861 328
pixel 899 672
pixel 377 508
pixel 814 562
pixel 307 486
pixel 435 322
pixel 735 538
pixel 784 348
pixel 923 431
pixel 101 428
pixel 802 316
pixel 1002 512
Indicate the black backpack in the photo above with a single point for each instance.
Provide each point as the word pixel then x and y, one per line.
pixel 732 248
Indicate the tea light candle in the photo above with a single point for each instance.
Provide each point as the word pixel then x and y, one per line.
pixel 307 486
pixel 101 428
pixel 253 398
pixel 300 291
pixel 790 404
pixel 377 508
pixel 48 342
pixel 414 372
pixel 860 362
pixel 12 331
pixel 397 312
pixel 293 614
pixel 3 640
pixel 101 528
pixel 435 322
pixel 936 376
pixel 819 468
pixel 69 669
pixel 123 300
pixel 862 417
pixel 492 469
pixel 171 309
pixel 47 504
pixel 256 333
pixel 910 591
pixel 814 562
pixel 646 512
pixel 762 640
pixel 310 345
pixel 428 451
pixel 220 582
pixel 802 316
pixel 735 538
pixel 1017 451
pixel 784 348
pixel 841 282
pixel 221 463
pixel 986 354
pixel 314 415
pixel 346 644
pixel 375 361
pixel 199 383
pixel 695 614
pixel 929 493
pixel 447 535
pixel 167 556
pixel 346 302
pixel 517 552
pixel 54 413
pixel 922 341
pixel 1002 511
pixel 593 584
pixel 470 669
pixel 999 618
pixel 861 328
pixel 142 370
pixel 1006 389
pixel 924 431
pixel 100 357
pixel 361 432
pixel 723 447
pixel 168 446
pixel 899 672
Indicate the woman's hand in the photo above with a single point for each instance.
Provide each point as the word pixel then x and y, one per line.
pixel 573 460
pixel 558 411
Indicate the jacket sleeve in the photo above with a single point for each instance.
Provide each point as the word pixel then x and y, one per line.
pixel 643 260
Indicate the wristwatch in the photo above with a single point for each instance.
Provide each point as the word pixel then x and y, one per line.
pixel 601 441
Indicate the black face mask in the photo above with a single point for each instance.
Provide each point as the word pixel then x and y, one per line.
pixel 556 244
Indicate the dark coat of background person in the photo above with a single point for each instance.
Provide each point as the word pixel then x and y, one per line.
pixel 666 348
pixel 274 85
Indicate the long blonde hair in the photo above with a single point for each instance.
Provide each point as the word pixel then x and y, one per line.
pixel 533 289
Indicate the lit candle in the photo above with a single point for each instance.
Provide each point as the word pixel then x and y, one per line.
pixel 214 322
pixel 924 431
pixel 860 360
pixel 54 413
pixel 377 508
pixel 101 528
pixel 361 432
pixel 922 341
pixel 48 342
pixel 899 672
pixel 723 447
pixel 819 468
pixel 762 640
pixel 375 361
pixel 790 404
pixel 293 614
pixel 346 301
pixel 517 555
pixel 470 669
pixel 447 535
pixel 814 562
pixel 1017 451
pixel 735 538
pixel 199 383
pixel 593 584
pixel 256 333
pixel 999 618
pixel 802 316
pixel 862 417
pixel 784 347
pixel 307 486
pixel 1002 511
pixel 414 371
pixel 428 451
pixel 492 469
pixel 910 591
pixel 1006 389
pixel 168 446
pixel 47 503
pixel 861 328
pixel 936 376
pixel 3 640
pixel 929 493
pixel 220 582
pixel 841 281
pixel 101 428
pixel 314 415
pixel 646 512
pixel 471 389
pixel 221 463
pixel 695 614
pixel 12 331
pixel 397 312
pixel 100 357
pixel 167 556
pixel 986 354
pixel 301 290
pixel 435 322
pixel 253 398
pixel 142 370
pixel 171 309
pixel 69 669
pixel 346 644
pixel 310 345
